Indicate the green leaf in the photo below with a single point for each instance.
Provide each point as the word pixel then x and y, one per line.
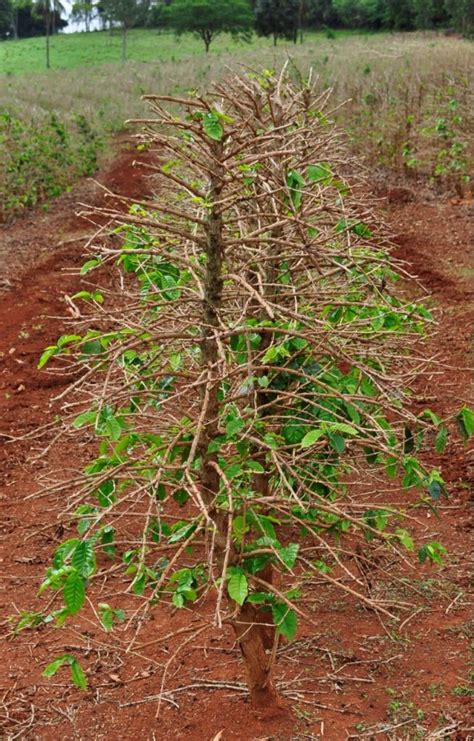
pixel 433 552
pixel 341 427
pixel 64 551
pixel 259 598
pixel 289 554
pixel 362 230
pixel 319 173
pixel 83 559
pixel 47 354
pixel 405 538
pixel 89 265
pixel 293 433
pixel 255 466
pixel 234 426
pixel 337 442
pixel 312 437
pixel 181 496
pixel 441 440
pixel 78 675
pixel 238 587
pixel 466 422
pixel 429 414
pixel 435 490
pixel 66 339
pixel 107 540
pixel 295 182
pixel 90 296
pixel 285 620
pixel 92 347
pixel 240 527
pixel 113 428
pixel 139 584
pixel 53 667
pixel 74 592
pixel 85 418
pixel 106 616
pixel 212 126
pixel 182 532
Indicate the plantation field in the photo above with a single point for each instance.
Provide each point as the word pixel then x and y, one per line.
pixel 403 111
pixel 331 300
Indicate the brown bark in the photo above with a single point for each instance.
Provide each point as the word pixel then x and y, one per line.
pixel 258 659
pixel 255 640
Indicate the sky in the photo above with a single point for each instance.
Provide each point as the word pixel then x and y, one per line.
pixel 73 27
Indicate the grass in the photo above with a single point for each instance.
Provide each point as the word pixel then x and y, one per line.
pixel 68 51
pixel 407 97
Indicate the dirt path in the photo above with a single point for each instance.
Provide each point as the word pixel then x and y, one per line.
pixel 354 674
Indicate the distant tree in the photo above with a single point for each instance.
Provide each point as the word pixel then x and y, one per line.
pixel 84 11
pixel 429 13
pixel 399 15
pixel 6 12
pixel 278 18
pixel 209 18
pixel 28 19
pixel 461 15
pixel 360 13
pixel 49 11
pixel 321 13
pixel 127 13
pixel 158 16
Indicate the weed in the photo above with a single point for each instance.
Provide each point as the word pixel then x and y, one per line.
pixel 463 691
pixel 41 159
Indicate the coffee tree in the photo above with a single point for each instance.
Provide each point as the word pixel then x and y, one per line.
pixel 246 377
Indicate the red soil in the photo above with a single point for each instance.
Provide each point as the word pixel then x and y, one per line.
pixel 351 673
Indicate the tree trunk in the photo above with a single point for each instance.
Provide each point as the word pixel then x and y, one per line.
pixel 258 659
pixel 47 37
pixel 274 39
pixel 255 639
pixel 124 43
pixel 15 24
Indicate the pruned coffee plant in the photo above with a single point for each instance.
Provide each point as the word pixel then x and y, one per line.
pixel 247 377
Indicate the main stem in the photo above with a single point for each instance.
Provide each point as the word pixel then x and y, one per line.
pixel 249 631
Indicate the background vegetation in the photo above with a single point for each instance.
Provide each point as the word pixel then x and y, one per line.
pixel 403 110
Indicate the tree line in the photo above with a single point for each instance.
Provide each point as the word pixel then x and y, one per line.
pixel 279 19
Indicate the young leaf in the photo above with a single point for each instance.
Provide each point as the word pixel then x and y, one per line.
pixel 289 554
pixel 113 428
pixel 405 538
pixel 285 620
pixel 47 354
pixel 183 532
pixel 238 587
pixel 433 551
pixel 441 440
pixel 90 264
pixel 311 437
pixel 53 667
pixel 319 173
pixel 466 422
pixel 78 676
pixel 86 418
pixel 212 126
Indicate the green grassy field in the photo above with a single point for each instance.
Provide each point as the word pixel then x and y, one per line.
pixel 100 47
